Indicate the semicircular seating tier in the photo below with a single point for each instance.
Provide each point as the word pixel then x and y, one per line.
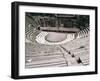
pixel 70 53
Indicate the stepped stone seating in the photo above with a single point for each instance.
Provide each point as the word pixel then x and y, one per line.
pixel 31 29
pixel 83 33
pixel 38 53
pixel 43 56
pixel 79 48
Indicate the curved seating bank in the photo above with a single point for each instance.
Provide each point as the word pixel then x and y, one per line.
pixel 41 52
